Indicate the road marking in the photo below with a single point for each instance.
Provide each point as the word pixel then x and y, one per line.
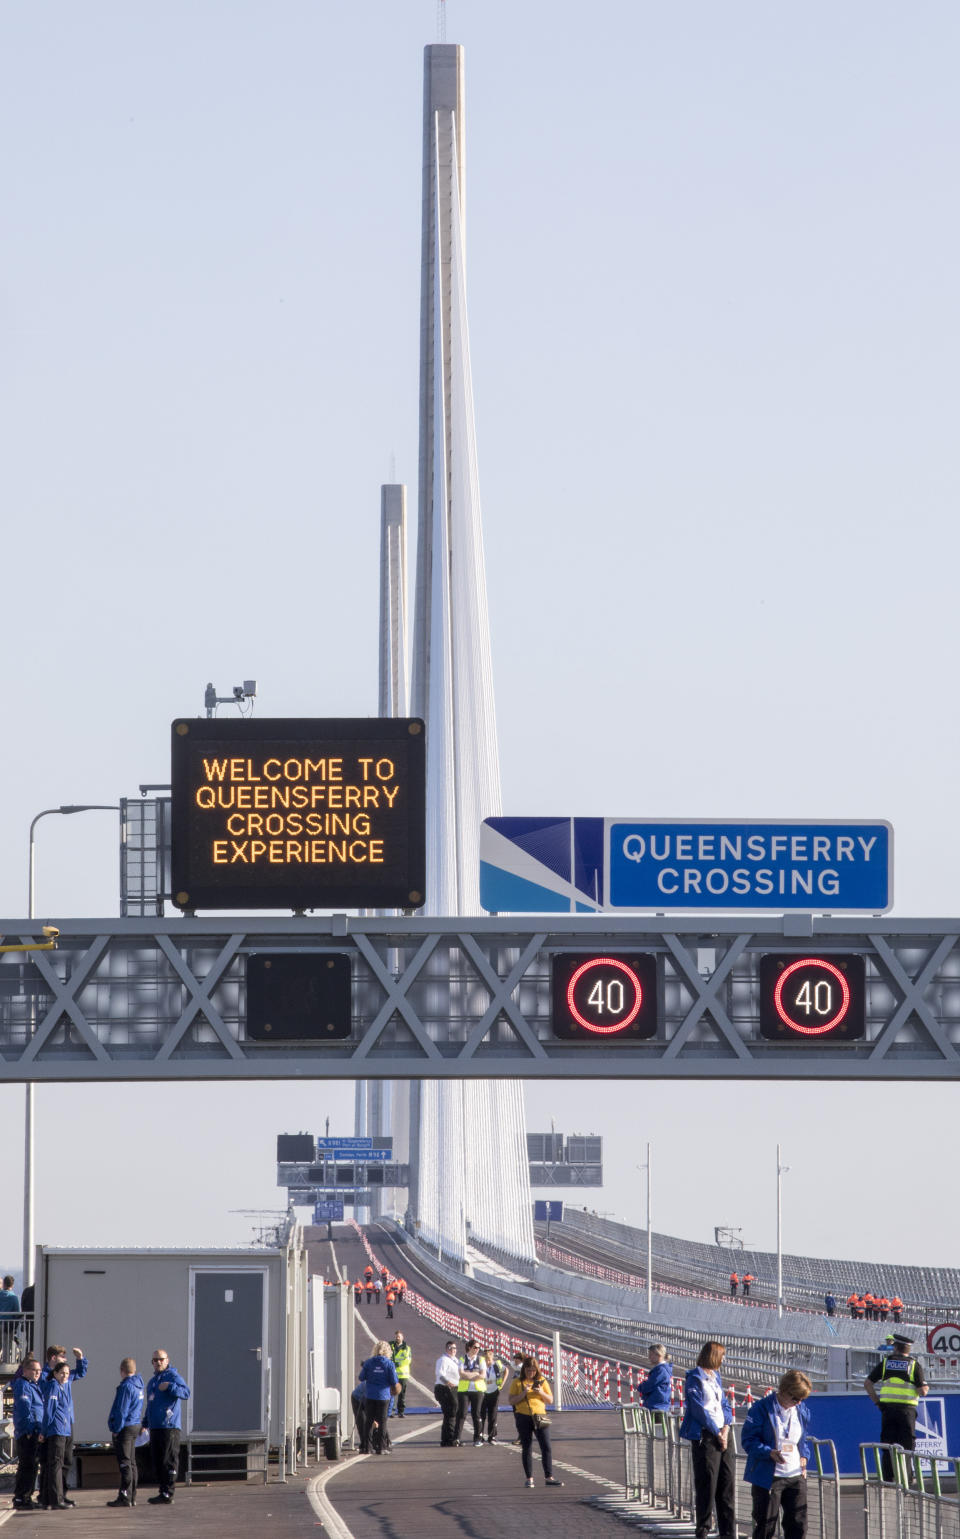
pixel 320 1502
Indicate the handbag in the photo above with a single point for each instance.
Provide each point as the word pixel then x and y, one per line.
pixel 540 1419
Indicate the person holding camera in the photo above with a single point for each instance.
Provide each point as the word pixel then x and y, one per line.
pixel 530 1395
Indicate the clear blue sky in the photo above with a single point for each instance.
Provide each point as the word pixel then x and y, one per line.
pixel 714 310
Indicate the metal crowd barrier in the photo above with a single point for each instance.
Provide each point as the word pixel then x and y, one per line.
pixel 823 1491
pixel 912 1504
pixel 920 1501
pixel 647 1442
pixel 16 1339
pixel 658 1471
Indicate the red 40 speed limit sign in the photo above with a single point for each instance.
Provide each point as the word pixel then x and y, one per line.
pixel 944 1340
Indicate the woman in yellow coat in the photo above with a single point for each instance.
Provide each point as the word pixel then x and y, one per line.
pixel 530 1395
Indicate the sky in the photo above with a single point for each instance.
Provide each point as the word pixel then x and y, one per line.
pixel 714 324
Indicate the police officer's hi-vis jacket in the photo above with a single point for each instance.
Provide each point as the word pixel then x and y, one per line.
pixel 899 1381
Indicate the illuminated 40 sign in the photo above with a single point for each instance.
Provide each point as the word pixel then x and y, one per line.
pixel 298 813
pixel 812 998
pixel 602 997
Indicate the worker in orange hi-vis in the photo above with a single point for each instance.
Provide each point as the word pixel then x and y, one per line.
pixel 369 1288
pixel 734 1284
pixel 748 1278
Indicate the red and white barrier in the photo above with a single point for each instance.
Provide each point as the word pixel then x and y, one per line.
pixel 578 1372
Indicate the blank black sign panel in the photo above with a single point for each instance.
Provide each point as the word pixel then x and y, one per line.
pixel 298 997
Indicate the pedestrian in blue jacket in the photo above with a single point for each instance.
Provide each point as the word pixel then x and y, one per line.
pixel 27 1425
pixel 380 1383
pixel 57 1355
pixel 162 1415
pixel 775 1438
pixel 654 1390
pixel 126 1415
pixel 56 1435
pixel 706 1420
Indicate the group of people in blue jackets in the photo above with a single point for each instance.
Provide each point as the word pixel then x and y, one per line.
pixel 774 1437
pixel 43 1427
pixel 43 1417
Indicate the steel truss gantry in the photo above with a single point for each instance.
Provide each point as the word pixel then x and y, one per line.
pixel 140 999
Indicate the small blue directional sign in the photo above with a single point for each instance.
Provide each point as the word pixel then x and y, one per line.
pixel 542 1211
pixel 600 865
pixel 328 1212
pixel 344 1143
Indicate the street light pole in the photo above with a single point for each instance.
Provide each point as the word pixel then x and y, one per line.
pixel 648 1168
pixel 781 1171
pixel 28 1277
pixel 649 1237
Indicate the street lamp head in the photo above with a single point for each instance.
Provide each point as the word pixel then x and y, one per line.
pixel 89 807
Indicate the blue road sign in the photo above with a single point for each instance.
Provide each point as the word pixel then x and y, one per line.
pixel 542 1211
pixel 601 865
pixel 328 1212
pixel 344 1143
pixel 347 1154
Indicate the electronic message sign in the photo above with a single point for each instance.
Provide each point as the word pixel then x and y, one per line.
pixel 326 813
pixel 599 997
pixel 812 998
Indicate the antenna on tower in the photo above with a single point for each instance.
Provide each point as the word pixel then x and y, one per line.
pixel 441 21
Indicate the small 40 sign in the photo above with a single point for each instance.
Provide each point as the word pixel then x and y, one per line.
pixel 601 998
pixel 944 1340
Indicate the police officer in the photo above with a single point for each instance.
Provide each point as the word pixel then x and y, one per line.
pixel 402 1358
pixel 895 1385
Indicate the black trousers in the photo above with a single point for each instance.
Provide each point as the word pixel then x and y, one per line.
pixel 402 1397
pixel 713 1479
pixel 28 1462
pixel 165 1452
pixel 447 1401
pixel 471 1398
pixel 360 1423
pixel 376 1413
pixel 489 1408
pixel 788 1497
pixel 898 1424
pixel 57 1462
pixel 527 1433
pixel 123 1447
